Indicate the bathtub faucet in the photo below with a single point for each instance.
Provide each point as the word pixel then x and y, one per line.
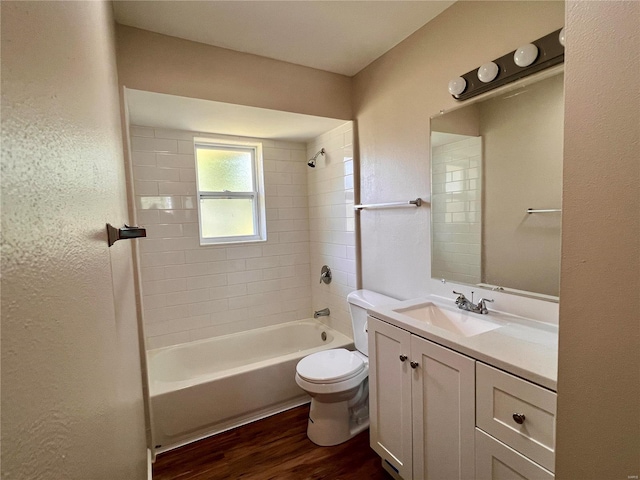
pixel 322 313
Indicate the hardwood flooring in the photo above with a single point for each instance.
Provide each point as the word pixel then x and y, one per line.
pixel 274 448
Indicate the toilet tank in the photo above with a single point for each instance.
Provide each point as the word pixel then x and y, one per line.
pixel 359 301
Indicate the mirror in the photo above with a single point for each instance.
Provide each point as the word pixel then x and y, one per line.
pixel 496 189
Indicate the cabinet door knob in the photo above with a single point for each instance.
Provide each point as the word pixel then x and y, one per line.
pixel 403 358
pixel 519 418
pixel 414 364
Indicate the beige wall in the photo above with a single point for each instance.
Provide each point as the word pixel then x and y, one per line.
pixel 159 63
pixel 71 383
pixel 393 100
pixel 599 364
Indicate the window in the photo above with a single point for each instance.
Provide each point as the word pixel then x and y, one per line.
pixel 230 193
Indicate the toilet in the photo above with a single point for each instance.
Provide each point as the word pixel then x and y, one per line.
pixel 337 379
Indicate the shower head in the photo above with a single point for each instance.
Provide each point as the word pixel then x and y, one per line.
pixel 312 160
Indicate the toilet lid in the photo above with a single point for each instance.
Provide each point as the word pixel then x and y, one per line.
pixel 329 366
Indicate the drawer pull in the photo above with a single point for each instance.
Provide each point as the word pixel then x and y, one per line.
pixel 414 364
pixel 519 418
pixel 403 358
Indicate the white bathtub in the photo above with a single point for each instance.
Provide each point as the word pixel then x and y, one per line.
pixel 202 388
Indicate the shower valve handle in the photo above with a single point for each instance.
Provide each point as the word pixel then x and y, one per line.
pixel 325 275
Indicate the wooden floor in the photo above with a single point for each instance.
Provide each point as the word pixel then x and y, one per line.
pixel 274 448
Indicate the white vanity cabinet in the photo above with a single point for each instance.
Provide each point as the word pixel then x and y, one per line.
pixel 516 427
pixel 422 405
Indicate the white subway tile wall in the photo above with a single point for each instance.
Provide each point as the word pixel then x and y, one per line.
pixel 332 224
pixel 456 210
pixel 191 292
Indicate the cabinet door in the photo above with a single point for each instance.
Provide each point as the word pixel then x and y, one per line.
pixel 390 395
pixel 443 389
pixel 497 461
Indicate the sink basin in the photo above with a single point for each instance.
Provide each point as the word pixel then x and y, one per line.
pixel 459 322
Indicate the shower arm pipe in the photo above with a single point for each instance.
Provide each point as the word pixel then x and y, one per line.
pixel 411 203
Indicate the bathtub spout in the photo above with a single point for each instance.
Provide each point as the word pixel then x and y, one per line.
pixel 322 313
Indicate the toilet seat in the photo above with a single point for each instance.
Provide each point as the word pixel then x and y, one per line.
pixel 330 366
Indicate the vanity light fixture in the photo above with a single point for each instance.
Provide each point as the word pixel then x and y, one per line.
pixel 488 72
pixel 525 55
pixel 531 58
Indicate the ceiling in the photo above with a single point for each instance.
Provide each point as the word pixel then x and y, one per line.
pixel 169 111
pixel 337 36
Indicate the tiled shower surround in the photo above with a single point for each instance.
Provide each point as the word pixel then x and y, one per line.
pixel 191 292
pixel 332 224
pixel 457 213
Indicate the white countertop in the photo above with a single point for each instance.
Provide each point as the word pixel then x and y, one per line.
pixel 522 347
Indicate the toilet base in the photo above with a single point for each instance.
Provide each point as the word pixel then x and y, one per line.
pixel 334 423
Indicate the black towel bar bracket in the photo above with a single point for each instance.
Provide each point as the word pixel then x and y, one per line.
pixel 125 233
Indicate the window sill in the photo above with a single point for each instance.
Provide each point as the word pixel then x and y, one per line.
pixel 220 243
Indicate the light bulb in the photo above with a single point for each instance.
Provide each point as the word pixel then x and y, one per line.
pixel 562 37
pixel 457 86
pixel 488 72
pixel 525 55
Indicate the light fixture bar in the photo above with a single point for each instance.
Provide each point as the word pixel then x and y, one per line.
pixel 550 53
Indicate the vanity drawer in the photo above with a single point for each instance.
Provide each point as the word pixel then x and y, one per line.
pixel 501 398
pixel 495 461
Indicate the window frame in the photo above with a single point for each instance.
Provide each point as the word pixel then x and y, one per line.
pixel 257 195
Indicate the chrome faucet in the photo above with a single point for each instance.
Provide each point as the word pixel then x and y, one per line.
pixel 464 303
pixel 322 313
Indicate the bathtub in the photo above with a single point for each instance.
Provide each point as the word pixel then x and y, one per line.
pixel 205 387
